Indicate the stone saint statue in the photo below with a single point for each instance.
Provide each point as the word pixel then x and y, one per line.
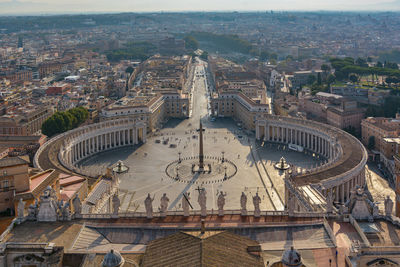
pixel 48 209
pixel 21 209
pixel 202 199
pixel 32 211
pixel 164 205
pixel 329 202
pixel 148 204
pixel 388 206
pixel 185 204
pixel 116 204
pixel 77 205
pixel 221 203
pixel 65 212
pixel 256 202
pixel 243 202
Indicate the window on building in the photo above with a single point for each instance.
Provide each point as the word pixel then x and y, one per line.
pixel 5 184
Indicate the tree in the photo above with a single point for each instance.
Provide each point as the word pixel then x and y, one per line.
pixel 311 79
pixel 191 42
pixel 371 142
pixel 379 64
pixel 319 79
pixel 353 78
pixel 325 68
pixel 61 122
pixel 273 56
pixel 204 55
pixel 361 62
pixel 129 70
pixel 264 55
pixel 392 79
pixel 391 65
pixel 330 79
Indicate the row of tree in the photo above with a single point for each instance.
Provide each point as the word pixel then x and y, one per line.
pixel 61 122
pixel 348 68
pixel 133 50
pixel 224 41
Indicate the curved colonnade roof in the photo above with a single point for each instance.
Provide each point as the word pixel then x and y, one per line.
pixel 352 156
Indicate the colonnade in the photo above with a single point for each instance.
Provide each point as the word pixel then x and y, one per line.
pixel 80 143
pixel 310 139
pixel 341 190
pixel 95 142
pixel 324 140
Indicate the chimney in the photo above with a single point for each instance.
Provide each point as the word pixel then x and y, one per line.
pixel 254 250
pixel 203 226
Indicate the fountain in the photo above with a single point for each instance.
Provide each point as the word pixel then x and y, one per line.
pixel 282 164
pixel 120 167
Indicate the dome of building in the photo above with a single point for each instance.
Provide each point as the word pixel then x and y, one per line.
pixel 291 258
pixel 112 259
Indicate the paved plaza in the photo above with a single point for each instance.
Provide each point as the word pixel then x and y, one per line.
pixel 222 138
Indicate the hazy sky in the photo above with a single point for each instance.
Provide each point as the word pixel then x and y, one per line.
pixel 67 6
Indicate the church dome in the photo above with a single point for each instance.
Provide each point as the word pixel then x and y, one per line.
pixel 112 259
pixel 291 257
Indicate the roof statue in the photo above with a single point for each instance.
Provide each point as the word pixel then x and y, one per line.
pixel 292 258
pixel 221 203
pixel 256 203
pixel 148 204
pixel 243 203
pixel 112 259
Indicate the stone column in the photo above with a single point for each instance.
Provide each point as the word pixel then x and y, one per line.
pixel 286 135
pixel 294 136
pixel 76 152
pixel 319 145
pixel 123 137
pixel 342 193
pixel 337 193
pixel 272 133
pixel 85 147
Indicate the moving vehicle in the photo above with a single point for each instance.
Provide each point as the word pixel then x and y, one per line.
pixel 296 148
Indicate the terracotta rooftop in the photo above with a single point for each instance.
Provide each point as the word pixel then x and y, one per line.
pixel 183 249
pixel 6 162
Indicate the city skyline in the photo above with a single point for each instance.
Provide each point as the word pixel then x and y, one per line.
pixel 21 7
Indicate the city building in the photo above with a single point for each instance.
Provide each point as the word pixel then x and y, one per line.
pixel 381 136
pixel 14 178
pixel 300 78
pixel 24 121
